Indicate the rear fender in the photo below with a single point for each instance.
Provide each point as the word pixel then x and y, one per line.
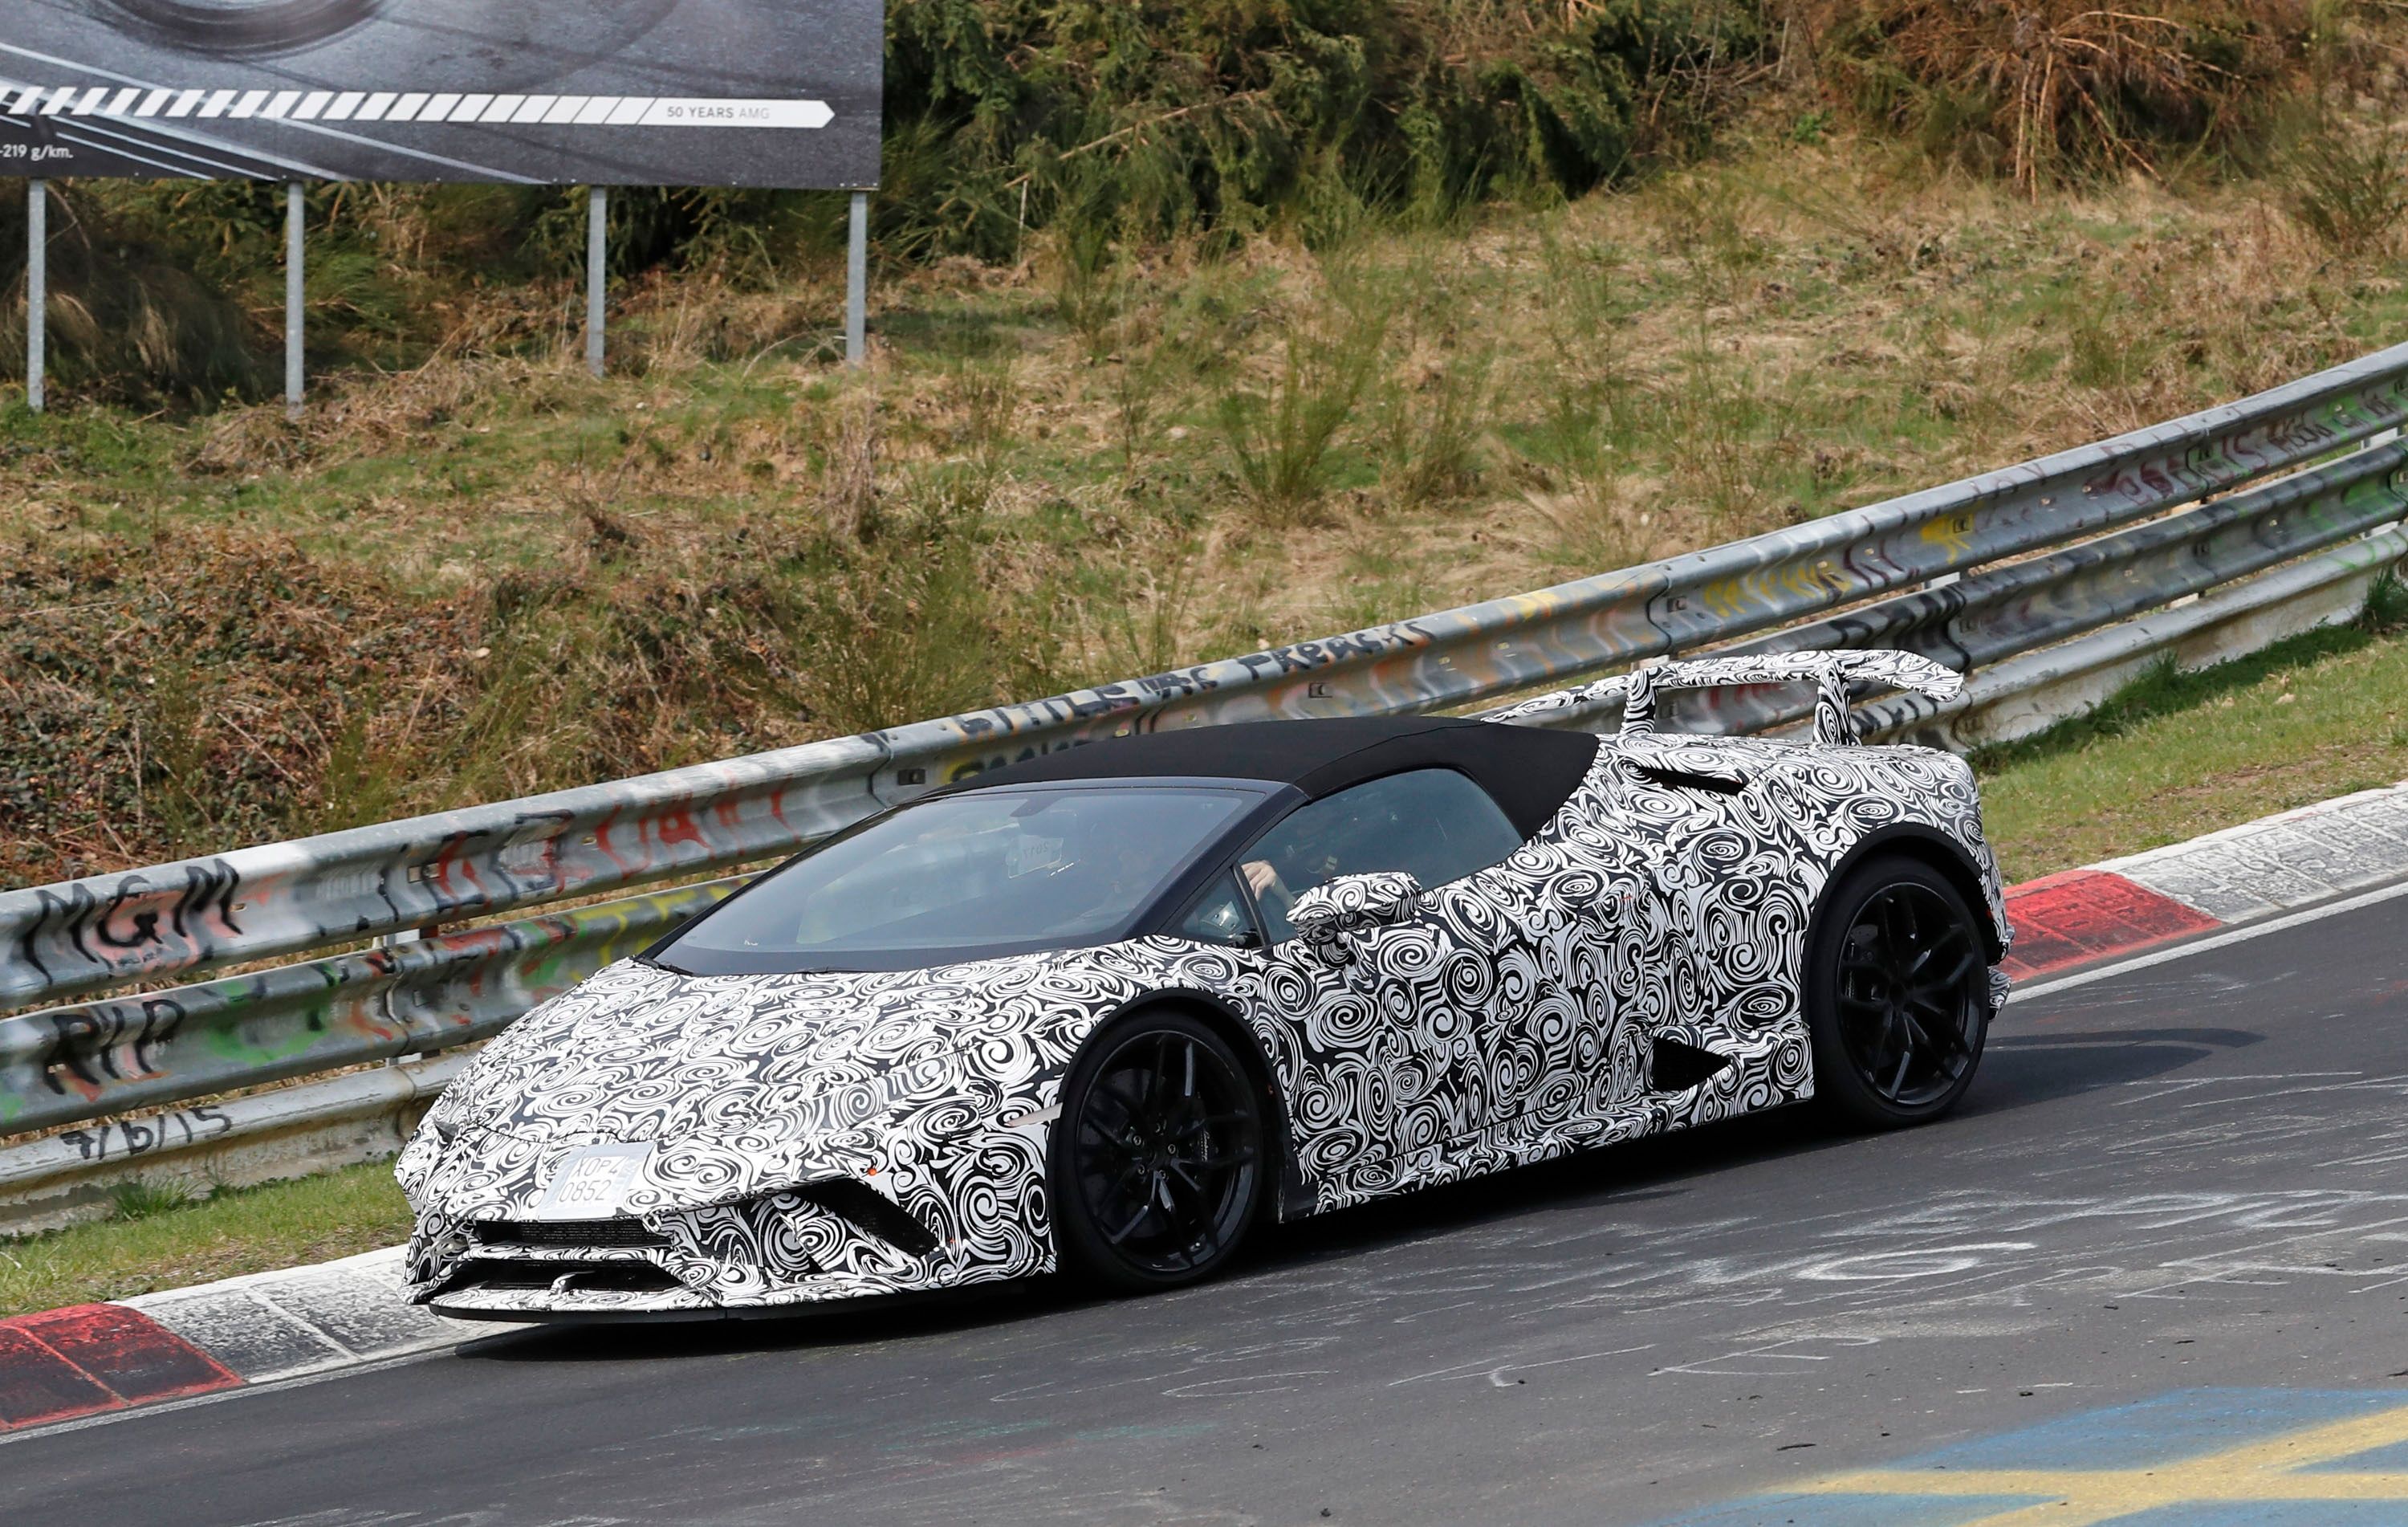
pixel 1977 879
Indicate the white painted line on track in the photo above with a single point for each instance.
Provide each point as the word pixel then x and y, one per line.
pixel 2217 940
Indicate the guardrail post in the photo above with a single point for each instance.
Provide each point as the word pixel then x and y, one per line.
pixel 856 283
pixel 598 241
pixel 295 308
pixel 37 288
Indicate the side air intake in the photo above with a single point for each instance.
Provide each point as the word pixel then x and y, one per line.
pixel 871 1212
pixel 1676 1066
pixel 1689 779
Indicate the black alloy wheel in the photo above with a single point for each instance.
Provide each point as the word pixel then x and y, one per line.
pixel 1898 995
pixel 1158 1157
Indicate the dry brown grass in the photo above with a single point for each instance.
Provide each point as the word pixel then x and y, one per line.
pixel 2067 85
pixel 496 575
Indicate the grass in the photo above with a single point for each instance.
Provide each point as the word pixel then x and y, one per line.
pixel 489 574
pixel 139 1198
pixel 2175 755
pixel 237 1230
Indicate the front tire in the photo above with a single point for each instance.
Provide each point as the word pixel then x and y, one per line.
pixel 1898 995
pixel 1158 1157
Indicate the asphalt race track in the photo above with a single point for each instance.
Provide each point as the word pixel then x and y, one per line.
pixel 2178 1194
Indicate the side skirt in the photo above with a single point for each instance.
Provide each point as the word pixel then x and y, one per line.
pixel 1525 1142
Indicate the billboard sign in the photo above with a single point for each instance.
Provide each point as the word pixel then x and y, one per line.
pixel 733 93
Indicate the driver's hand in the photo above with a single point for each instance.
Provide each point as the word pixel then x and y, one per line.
pixel 1264 881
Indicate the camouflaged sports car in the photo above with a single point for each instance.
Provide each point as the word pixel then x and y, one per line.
pixel 1113 1007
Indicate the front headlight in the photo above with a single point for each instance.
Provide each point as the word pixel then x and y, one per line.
pixel 446 1121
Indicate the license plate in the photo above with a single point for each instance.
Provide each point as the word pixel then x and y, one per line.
pixel 592 1181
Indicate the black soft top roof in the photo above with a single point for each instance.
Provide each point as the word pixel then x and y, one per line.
pixel 1530 772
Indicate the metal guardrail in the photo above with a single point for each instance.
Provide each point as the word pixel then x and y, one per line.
pixel 356 1115
pixel 68 1064
pixel 1939 566
pixel 1984 618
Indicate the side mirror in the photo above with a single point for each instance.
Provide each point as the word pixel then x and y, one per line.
pixel 1351 905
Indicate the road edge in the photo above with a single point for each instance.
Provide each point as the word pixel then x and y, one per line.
pixel 2269 867
pixel 85 1360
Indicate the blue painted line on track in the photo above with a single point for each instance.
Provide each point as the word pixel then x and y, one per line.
pixel 2388 1460
pixel 1854 1511
pixel 2147 1442
pixel 2164 1429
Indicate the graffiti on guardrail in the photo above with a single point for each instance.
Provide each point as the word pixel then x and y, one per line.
pixel 2113 524
pixel 126 1138
pixel 293 1020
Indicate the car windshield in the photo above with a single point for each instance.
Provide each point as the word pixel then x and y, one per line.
pixel 964 877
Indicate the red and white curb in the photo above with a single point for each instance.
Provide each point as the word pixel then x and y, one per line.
pixel 2245 875
pixel 90 1359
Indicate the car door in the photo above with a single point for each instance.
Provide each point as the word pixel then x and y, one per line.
pixel 1569 918
pixel 1726 893
pixel 1396 1041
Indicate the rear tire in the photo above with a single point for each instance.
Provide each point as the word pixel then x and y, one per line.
pixel 1898 995
pixel 1158 1159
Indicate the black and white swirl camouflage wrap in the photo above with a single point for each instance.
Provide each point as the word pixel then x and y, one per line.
pixel 1831 671
pixel 1421 1035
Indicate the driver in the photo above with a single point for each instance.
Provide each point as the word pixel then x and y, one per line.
pixel 1319 846
pixel 1272 893
pixel 1121 872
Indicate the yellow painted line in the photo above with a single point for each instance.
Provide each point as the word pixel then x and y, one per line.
pixel 2257 1472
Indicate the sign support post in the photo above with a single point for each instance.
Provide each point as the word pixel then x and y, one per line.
pixel 856 284
pixel 770 95
pixel 295 310
pixel 37 288
pixel 597 233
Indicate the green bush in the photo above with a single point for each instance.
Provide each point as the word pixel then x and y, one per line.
pixel 1127 121
pixel 132 319
pixel 1219 118
pixel 2349 190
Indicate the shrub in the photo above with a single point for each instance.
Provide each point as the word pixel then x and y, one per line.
pixel 1279 433
pixel 1217 117
pixel 2349 190
pixel 2049 88
pixel 128 321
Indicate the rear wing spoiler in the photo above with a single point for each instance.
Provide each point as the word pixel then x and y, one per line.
pixel 1830 671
